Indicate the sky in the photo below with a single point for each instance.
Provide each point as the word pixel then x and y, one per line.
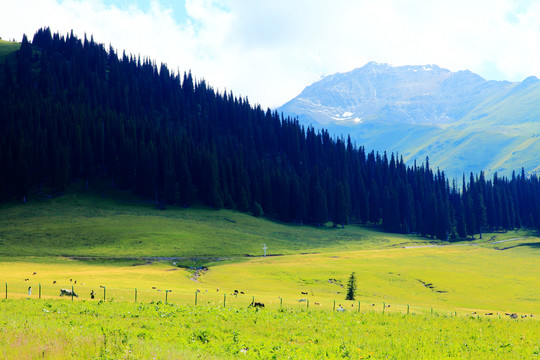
pixel 270 50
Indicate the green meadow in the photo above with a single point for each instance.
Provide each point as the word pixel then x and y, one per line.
pixel 164 284
pixel 53 329
pixel 7 48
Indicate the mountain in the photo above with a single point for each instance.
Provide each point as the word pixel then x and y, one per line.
pixel 463 122
pixel 73 112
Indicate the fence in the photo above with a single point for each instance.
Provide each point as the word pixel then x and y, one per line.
pixel 208 298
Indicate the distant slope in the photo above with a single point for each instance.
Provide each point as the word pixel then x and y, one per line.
pixel 115 226
pixel 7 55
pixel 7 48
pixel 461 121
pixel 73 111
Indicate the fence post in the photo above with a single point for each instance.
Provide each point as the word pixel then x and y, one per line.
pixel 104 291
pixel 72 292
pixel 6 290
pixel 195 298
pixel 40 290
pixel 135 294
pixel 307 304
pixel 334 308
pixel 252 300
pixel 383 306
pixel 281 302
pixel 166 293
pixel 432 311
pixel 359 306
pixel 407 309
pixel 224 300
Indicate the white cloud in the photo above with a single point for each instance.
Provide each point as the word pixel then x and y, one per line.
pixel 270 50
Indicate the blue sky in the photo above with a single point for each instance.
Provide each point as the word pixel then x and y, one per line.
pixel 269 50
pixel 178 7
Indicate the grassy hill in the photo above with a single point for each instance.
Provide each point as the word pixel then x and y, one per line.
pixel 97 241
pixel 87 225
pixel 90 241
pixel 8 48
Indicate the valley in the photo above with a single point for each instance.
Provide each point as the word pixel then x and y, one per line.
pixel 177 221
pixel 462 290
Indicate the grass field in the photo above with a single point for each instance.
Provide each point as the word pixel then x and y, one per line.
pixel 7 48
pixel 91 226
pixel 55 329
pixel 88 241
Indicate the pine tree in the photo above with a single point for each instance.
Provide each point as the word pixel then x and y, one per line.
pixel 351 287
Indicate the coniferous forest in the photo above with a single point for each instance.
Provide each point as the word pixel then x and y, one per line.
pixel 73 110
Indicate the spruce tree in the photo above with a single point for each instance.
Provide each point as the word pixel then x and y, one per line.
pixel 351 287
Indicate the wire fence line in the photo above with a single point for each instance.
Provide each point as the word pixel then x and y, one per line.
pixel 81 292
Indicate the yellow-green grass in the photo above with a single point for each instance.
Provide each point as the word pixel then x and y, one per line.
pixel 85 225
pixel 53 329
pixel 7 48
pixel 113 243
pixel 108 243
pixel 464 278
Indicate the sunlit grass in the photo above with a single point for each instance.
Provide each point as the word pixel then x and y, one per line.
pixel 86 225
pixel 89 330
pixel 90 243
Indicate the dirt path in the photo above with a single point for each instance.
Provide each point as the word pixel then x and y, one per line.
pixel 503 241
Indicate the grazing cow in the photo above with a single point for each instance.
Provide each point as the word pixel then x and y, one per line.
pixel 489 313
pixel 154 288
pixel 241 292
pixel 54 282
pixel 256 304
pixel 513 316
pixel 68 292
pixel 34 273
pixel 317 303
pixel 304 292
pixel 26 279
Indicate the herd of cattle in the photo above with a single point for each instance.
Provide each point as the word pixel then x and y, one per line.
pixel 71 293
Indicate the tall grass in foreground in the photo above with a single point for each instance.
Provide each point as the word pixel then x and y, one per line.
pixel 54 329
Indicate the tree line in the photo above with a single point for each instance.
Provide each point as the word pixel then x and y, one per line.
pixel 73 110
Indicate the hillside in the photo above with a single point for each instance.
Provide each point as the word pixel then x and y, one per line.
pixel 8 48
pixel 76 112
pixel 463 122
pixel 123 244
pixel 108 224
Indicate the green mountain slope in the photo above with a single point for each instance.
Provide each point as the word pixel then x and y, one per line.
pixel 8 48
pixel 461 121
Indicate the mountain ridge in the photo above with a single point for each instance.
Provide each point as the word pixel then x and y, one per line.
pixel 463 122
